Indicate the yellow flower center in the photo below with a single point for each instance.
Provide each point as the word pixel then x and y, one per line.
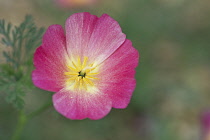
pixel 81 75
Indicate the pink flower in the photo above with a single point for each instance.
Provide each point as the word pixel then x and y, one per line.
pixel 74 3
pixel 91 67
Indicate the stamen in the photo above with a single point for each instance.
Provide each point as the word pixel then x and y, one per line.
pixel 70 73
pixel 88 81
pixel 81 75
pixel 89 70
pixel 92 73
pixel 84 85
pixel 91 77
pixel 79 63
pixel 76 86
pixel 74 65
pixel 84 62
pixel 80 82
pixel 71 68
pixel 72 78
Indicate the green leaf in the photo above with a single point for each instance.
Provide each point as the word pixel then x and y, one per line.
pixel 15 75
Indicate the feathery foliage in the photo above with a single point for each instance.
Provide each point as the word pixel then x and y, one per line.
pixel 20 42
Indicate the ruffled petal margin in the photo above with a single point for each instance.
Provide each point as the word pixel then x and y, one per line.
pixel 117 75
pixel 93 37
pixel 50 59
pixel 80 104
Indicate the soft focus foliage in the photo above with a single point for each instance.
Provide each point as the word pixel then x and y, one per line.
pixel 173 37
pixel 15 73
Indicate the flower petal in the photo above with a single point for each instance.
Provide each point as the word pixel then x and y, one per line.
pixel 79 28
pixel 106 38
pixel 50 59
pixel 80 104
pixel 96 38
pixel 117 75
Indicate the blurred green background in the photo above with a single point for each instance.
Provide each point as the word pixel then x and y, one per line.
pixel 173 76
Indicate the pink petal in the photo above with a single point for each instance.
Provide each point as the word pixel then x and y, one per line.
pixel 80 104
pixel 96 38
pixel 79 28
pixel 49 60
pixel 117 75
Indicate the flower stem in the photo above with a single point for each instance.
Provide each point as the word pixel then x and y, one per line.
pixel 20 125
pixel 40 110
pixel 23 119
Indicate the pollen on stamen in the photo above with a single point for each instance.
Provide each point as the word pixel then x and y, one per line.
pixel 84 62
pixel 70 73
pixel 90 77
pixel 81 75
